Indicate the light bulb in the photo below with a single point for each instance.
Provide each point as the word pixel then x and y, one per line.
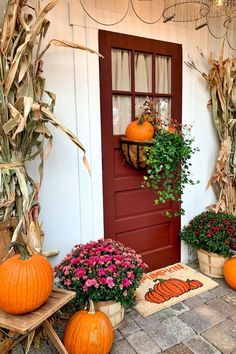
pixel 219 3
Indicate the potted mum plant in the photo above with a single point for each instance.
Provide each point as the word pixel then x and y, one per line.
pixel 214 237
pixel 106 272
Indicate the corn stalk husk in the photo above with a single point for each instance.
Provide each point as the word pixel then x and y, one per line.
pixel 221 80
pixel 25 115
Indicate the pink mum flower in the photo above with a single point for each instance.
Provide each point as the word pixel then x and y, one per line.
pixel 80 272
pixel 91 282
pixel 67 282
pixel 110 282
pixel 126 282
pixel 75 260
pixel 109 248
pixel 111 268
pixel 130 275
pixel 102 280
pixel 101 271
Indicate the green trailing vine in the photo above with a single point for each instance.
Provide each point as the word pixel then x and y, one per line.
pixel 168 162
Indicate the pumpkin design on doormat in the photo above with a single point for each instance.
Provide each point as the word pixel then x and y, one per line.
pixel 166 289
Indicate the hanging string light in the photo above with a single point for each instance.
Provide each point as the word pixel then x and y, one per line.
pixel 215 19
pixel 112 5
pixel 185 10
pixel 218 15
pixel 153 10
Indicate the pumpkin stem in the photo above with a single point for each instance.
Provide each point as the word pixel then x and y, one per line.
pixel 159 279
pixel 91 309
pixel 24 254
pixel 86 305
pixel 141 120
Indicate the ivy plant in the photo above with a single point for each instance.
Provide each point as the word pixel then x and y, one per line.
pixel 168 166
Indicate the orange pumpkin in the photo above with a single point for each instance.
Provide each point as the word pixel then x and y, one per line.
pixel 88 332
pixel 153 296
pixel 139 130
pixel 26 281
pixel 230 272
pixel 172 287
pixel 194 284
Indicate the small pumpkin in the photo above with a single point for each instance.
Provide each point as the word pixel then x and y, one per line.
pixel 194 284
pixel 88 332
pixel 139 130
pixel 153 296
pixel 172 287
pixel 230 272
pixel 26 281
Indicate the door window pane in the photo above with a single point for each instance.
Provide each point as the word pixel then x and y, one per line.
pixel 164 109
pixel 121 109
pixel 121 70
pixel 163 74
pixel 139 104
pixel 143 72
pixel 139 101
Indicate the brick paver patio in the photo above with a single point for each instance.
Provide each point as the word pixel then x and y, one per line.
pixel 204 324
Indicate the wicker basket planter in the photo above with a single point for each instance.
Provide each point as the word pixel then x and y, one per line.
pixel 113 310
pixel 211 263
pixel 134 152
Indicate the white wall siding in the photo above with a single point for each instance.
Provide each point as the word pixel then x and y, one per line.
pixel 60 192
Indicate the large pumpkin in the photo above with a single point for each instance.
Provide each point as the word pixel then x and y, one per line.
pixel 25 282
pixel 172 287
pixel 139 130
pixel 88 332
pixel 230 272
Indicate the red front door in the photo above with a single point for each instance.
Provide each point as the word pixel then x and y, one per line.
pixel 129 213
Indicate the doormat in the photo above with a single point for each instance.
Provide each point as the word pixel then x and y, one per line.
pixel 168 286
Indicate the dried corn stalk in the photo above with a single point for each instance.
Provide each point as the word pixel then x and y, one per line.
pixel 221 80
pixel 24 114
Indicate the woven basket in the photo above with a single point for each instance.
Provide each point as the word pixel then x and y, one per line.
pixel 134 152
pixel 211 263
pixel 113 310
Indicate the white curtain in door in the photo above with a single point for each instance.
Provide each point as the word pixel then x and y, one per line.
pixel 143 72
pixel 121 81
pixel 121 70
pixel 163 74
pixel 121 109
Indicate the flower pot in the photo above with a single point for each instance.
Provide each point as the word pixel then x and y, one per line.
pixel 211 263
pixel 113 310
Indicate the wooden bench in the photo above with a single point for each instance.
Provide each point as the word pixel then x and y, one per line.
pixel 20 326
